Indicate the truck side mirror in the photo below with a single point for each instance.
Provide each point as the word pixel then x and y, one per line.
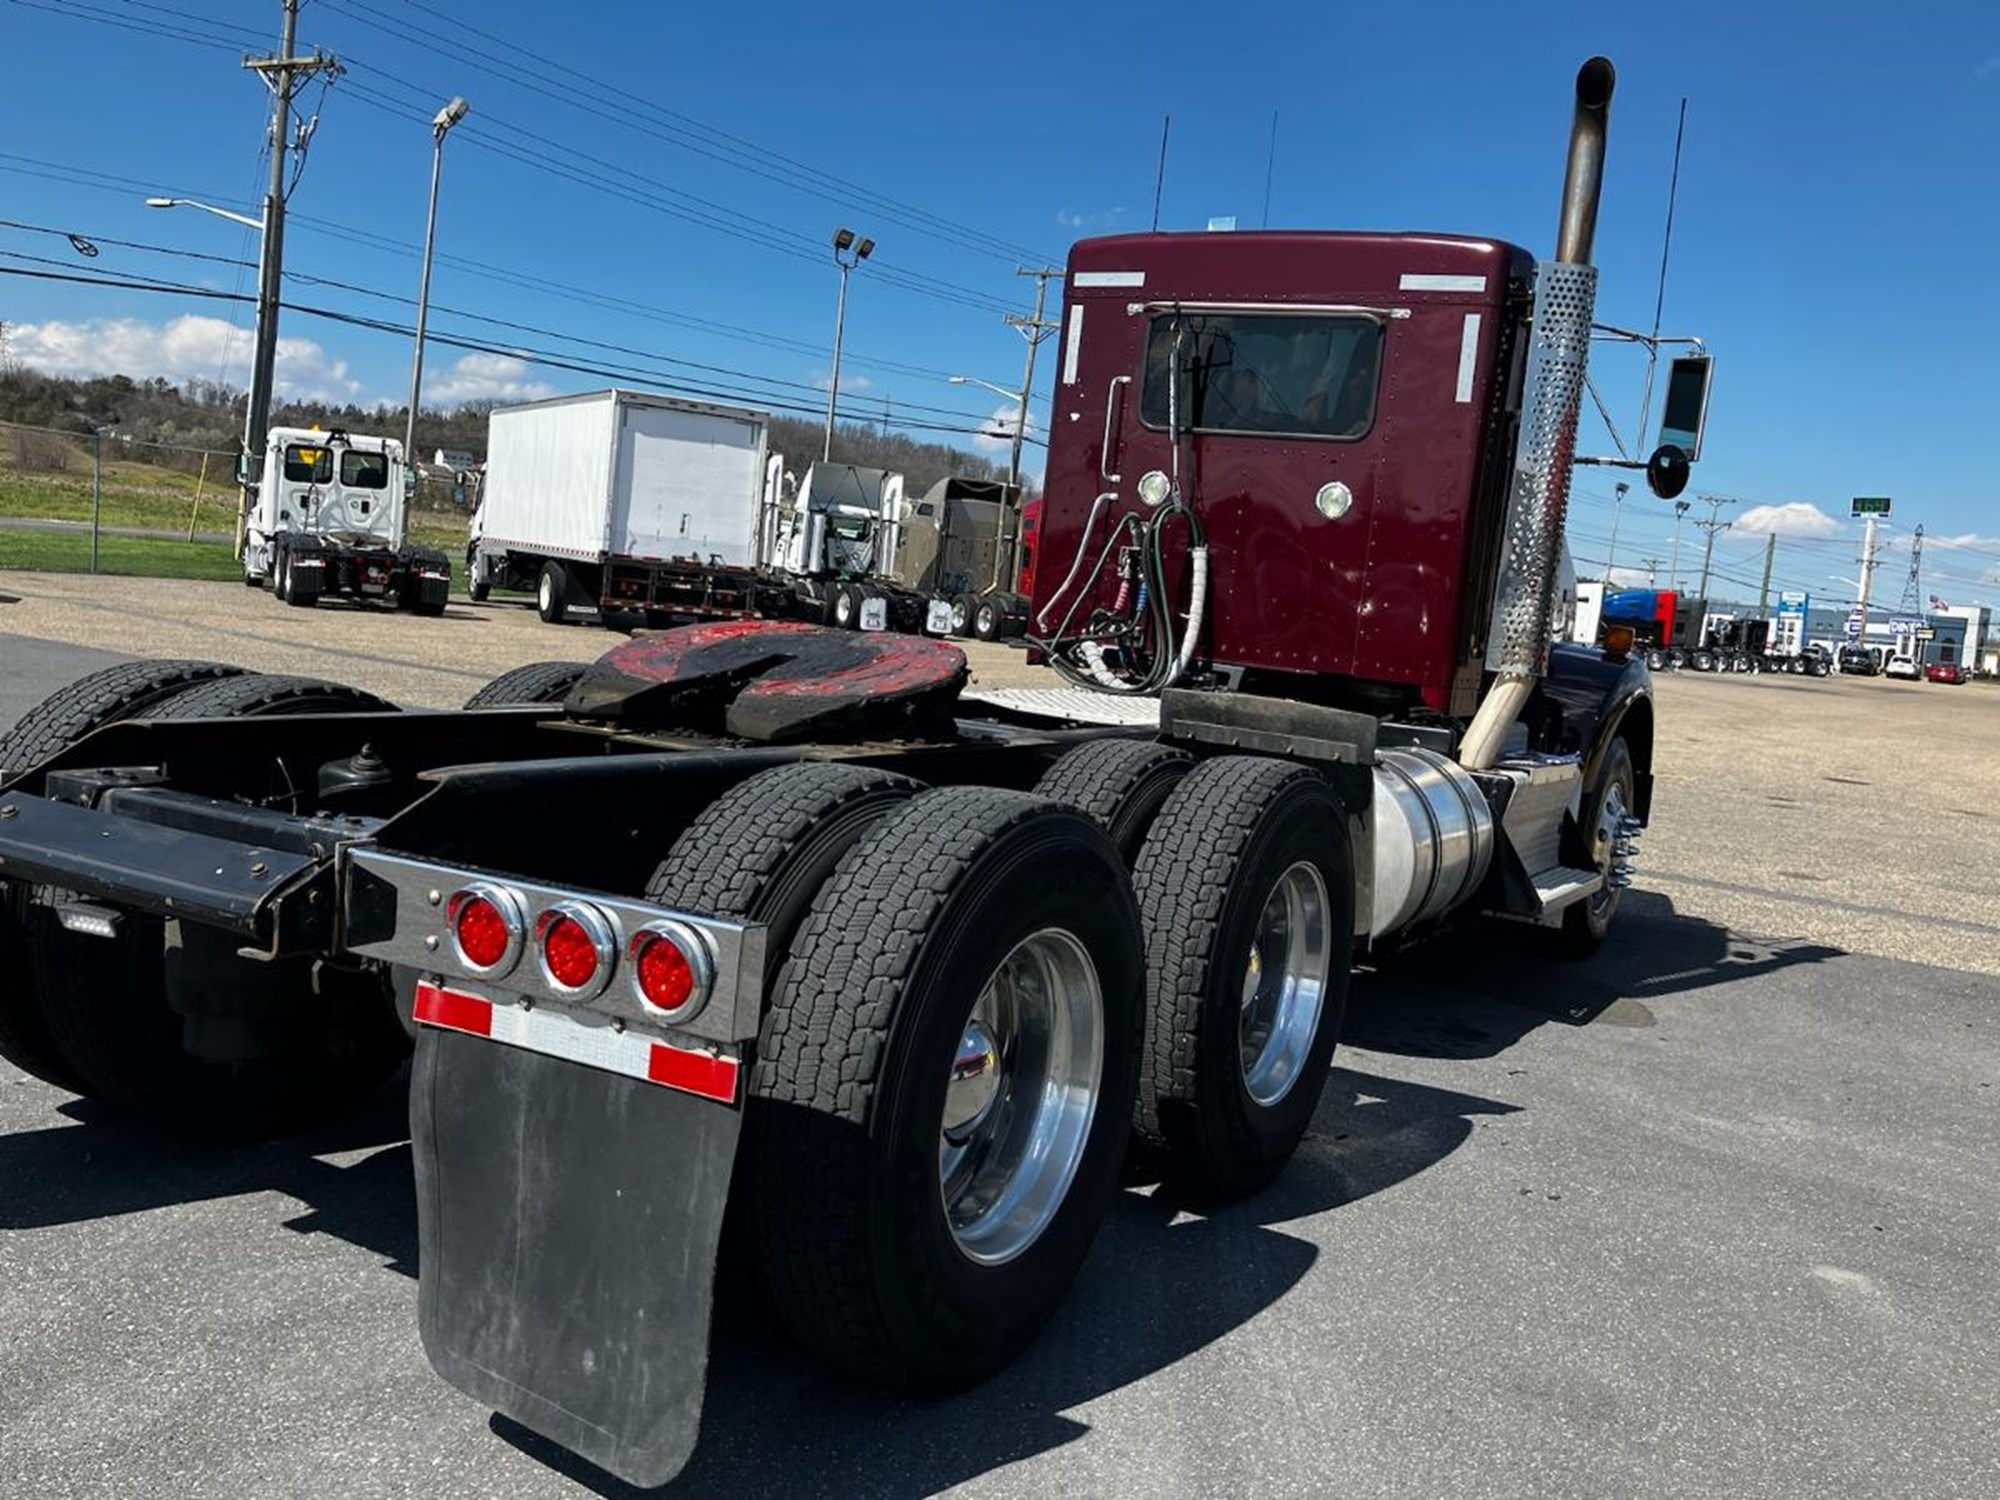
pixel 1685 414
pixel 409 484
pixel 1667 471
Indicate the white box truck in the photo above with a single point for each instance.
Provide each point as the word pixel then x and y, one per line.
pixel 623 501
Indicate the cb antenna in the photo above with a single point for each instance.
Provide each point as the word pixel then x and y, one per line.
pixel 1160 176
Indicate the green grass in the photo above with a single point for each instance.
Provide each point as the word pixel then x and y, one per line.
pixel 137 494
pixel 62 552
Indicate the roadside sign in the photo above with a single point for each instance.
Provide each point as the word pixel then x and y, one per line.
pixel 1869 505
pixel 1856 617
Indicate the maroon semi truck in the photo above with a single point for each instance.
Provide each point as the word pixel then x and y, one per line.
pixel 814 940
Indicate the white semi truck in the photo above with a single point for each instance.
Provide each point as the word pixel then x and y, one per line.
pixel 622 501
pixel 331 518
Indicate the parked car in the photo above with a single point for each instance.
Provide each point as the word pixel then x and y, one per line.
pixel 1856 662
pixel 1944 671
pixel 1903 666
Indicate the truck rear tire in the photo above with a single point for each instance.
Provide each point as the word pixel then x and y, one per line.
pixel 761 851
pixel 537 682
pixel 1250 856
pixel 987 618
pixel 843 609
pixel 105 1001
pixel 1608 799
pixel 980 990
pixel 552 593
pixel 126 691
pixel 300 591
pixel 961 614
pixel 1122 784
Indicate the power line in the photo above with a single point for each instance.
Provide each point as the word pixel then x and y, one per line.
pixel 541 358
pixel 680 129
pixel 772 237
pixel 512 325
pixel 107 182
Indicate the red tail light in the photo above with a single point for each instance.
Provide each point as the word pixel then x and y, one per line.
pixel 486 929
pixel 577 949
pixel 671 970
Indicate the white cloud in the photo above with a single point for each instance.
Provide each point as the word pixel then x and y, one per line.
pixel 485 377
pixel 997 431
pixel 850 383
pixel 1970 539
pixel 1796 518
pixel 179 350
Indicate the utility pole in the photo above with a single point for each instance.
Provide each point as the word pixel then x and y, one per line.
pixel 1652 567
pixel 1712 526
pixel 1867 561
pixel 1764 589
pixel 280 74
pixel 1913 587
pixel 1674 570
pixel 1034 329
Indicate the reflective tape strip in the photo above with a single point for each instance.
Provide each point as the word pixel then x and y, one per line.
pixel 553 1033
pixel 450 1008
pixel 1419 281
pixel 1072 342
pixel 1468 354
pixel 1108 278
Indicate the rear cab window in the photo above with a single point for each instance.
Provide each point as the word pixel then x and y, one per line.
pixel 360 470
pixel 1306 375
pixel 305 465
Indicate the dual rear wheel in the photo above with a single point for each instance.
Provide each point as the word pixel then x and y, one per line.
pixel 971 1008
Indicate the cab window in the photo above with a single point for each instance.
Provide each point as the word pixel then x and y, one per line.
pixel 364 471
pixel 305 465
pixel 1283 374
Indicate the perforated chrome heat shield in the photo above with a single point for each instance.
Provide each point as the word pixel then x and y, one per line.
pixel 1517 642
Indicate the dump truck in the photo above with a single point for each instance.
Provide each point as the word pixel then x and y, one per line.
pixel 623 502
pixel 892 976
pixel 330 520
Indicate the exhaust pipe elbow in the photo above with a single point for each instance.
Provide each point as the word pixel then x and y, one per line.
pixel 1583 182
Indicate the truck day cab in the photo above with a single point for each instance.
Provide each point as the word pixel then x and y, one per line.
pixel 890 971
pixel 331 518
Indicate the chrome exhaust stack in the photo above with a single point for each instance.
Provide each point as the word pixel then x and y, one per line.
pixel 1517 639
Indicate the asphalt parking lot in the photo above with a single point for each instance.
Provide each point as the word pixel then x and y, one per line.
pixel 1710 1214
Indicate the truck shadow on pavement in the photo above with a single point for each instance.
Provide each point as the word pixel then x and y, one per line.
pixel 1470 1000
pixel 1161 1284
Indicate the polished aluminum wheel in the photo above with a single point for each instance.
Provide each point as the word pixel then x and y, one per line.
pixel 1284 984
pixel 1613 817
pixel 1021 1097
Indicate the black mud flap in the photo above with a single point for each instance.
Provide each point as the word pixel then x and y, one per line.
pixel 567 1227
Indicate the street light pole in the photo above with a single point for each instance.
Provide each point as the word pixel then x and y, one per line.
pixel 843 242
pixel 447 117
pixel 250 443
pixel 1621 489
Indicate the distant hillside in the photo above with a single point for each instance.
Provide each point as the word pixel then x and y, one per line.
pixel 206 415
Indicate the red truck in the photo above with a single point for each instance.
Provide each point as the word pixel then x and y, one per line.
pixel 889 974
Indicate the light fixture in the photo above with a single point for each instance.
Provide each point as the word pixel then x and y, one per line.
pixel 1334 500
pixel 842 238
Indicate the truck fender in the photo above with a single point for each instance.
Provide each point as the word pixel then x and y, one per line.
pixel 1601 700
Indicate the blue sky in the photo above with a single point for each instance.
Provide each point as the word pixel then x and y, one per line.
pixel 1834 241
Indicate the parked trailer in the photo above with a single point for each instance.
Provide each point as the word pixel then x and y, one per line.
pixel 330 519
pixel 622 501
pixel 889 972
